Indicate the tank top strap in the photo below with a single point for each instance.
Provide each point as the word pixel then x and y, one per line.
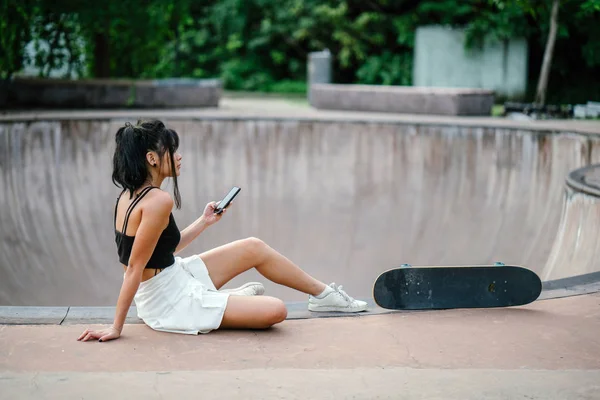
pixel 116 206
pixel 139 197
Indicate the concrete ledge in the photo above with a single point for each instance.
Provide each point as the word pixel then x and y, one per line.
pixel 572 281
pixel 572 286
pixel 15 315
pixel 585 180
pixel 102 93
pixel 98 315
pixel 570 291
pixel 10 315
pixel 402 99
pixel 260 110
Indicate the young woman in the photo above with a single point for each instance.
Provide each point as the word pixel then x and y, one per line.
pixel 181 295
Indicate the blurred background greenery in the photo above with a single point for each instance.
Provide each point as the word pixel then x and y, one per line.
pixel 263 45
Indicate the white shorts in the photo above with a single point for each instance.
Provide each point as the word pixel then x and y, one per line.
pixel 181 299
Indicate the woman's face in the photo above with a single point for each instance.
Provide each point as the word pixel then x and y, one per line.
pixel 165 165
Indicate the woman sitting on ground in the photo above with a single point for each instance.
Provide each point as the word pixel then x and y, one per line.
pixel 181 295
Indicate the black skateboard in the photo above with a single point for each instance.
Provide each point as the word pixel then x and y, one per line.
pixel 443 287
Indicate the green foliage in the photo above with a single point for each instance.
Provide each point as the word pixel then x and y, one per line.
pixel 57 44
pixel 264 44
pixel 287 86
pixel 15 17
pixel 589 16
pixel 386 69
pixel 498 22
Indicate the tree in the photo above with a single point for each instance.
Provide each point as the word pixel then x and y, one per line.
pixel 540 96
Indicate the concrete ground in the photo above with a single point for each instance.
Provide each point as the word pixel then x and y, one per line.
pixel 547 350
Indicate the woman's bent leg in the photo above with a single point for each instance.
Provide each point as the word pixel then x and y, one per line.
pixel 253 312
pixel 226 262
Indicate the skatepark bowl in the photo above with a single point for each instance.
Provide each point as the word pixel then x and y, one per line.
pixel 345 199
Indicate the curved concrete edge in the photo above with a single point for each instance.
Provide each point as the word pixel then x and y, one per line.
pixel 575 250
pixel 234 110
pixel 20 315
pixel 571 286
pixel 15 315
pixel 583 180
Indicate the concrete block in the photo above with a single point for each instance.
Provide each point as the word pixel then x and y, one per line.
pixel 441 60
pixel 13 315
pixel 579 111
pixel 98 315
pixel 108 93
pixel 319 68
pixel 593 105
pixel 402 99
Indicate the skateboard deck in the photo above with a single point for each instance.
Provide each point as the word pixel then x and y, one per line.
pixel 444 287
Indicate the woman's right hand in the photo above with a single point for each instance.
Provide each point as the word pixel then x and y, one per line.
pixel 103 335
pixel 209 216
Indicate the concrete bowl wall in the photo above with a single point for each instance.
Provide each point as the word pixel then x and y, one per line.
pixel 344 200
pixel 576 249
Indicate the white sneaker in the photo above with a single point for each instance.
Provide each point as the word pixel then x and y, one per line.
pixel 247 289
pixel 336 300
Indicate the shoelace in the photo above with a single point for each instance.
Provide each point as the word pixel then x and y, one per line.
pixel 340 290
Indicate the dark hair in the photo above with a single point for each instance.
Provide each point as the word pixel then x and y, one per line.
pixel 130 170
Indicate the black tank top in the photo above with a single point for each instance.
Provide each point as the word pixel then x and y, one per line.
pixel 162 256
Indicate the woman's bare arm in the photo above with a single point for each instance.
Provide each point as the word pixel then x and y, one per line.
pixel 197 227
pixel 190 233
pixel 155 217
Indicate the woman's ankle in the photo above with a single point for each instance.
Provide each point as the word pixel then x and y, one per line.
pixel 322 291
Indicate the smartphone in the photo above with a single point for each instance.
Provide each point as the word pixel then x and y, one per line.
pixel 223 204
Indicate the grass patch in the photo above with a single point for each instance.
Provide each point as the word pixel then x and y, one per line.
pixel 497 110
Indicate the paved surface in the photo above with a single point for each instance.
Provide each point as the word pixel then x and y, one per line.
pixel 358 383
pixel 549 349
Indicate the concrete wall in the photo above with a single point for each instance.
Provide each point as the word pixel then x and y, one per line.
pixel 441 60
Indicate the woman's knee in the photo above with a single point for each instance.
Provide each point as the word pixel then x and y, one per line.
pixel 255 247
pixel 278 313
